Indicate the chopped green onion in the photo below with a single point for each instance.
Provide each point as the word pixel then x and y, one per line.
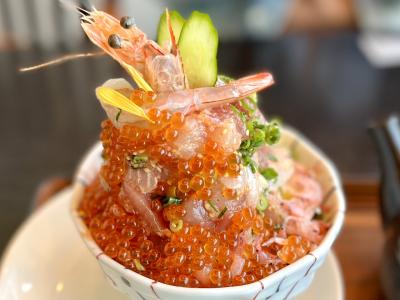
pixel 138 161
pixel 250 126
pixel 167 201
pixel 223 211
pixel 253 98
pixel 262 205
pixel 269 174
pixel 258 138
pixel 272 133
pixel 247 106
pixel 257 124
pixel 212 204
pixel 240 114
pixel 252 165
pixel 278 227
pixel 138 265
pixel 225 79
pixel 245 144
pixel 176 225
pixel 118 114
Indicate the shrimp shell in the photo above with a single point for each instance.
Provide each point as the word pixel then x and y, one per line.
pixel 206 97
pixel 99 25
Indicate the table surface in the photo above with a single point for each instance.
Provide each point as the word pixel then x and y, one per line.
pixel 360 244
pixel 49 118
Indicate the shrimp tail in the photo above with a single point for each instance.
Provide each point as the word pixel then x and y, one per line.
pixel 238 89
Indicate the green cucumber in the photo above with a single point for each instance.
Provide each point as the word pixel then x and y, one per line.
pixel 198 45
pixel 177 21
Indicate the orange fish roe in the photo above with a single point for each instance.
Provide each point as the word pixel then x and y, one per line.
pixel 185 255
pixel 178 258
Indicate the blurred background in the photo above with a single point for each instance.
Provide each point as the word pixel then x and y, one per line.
pixel 336 65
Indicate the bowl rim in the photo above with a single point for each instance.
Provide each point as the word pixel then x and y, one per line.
pixel 317 254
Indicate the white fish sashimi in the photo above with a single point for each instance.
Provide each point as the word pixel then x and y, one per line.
pixel 190 139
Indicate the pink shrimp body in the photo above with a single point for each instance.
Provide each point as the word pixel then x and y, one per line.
pixel 206 97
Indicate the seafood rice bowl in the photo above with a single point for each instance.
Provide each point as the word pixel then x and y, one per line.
pixel 194 188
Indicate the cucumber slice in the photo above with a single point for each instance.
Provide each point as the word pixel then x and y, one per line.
pixel 177 21
pixel 198 45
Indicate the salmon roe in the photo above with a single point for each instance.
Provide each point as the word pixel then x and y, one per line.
pixel 186 252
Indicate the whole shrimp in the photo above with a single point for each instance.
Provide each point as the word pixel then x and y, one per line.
pixel 189 100
pixel 162 68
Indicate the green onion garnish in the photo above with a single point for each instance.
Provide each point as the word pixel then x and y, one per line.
pixel 262 205
pixel 138 265
pixel 176 225
pixel 247 107
pixel 269 174
pixel 253 98
pixel 118 114
pixel 213 206
pixel 167 201
pixel 138 161
pixel 223 211
pixel 272 133
pixel 240 114
pixel 258 137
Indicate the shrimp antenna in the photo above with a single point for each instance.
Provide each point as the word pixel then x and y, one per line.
pixel 61 60
pixel 174 47
pixel 83 8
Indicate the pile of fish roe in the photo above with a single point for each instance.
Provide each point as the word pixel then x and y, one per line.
pixel 178 200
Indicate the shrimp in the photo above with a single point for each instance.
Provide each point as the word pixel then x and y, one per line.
pixel 206 97
pixel 164 73
pixel 130 46
pixel 99 26
pixel 296 202
pixel 313 230
pixel 304 193
pixel 161 69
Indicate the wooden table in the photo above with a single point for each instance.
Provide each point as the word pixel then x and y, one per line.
pixel 360 243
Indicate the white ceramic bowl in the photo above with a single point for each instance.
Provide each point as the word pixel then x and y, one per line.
pixel 283 284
